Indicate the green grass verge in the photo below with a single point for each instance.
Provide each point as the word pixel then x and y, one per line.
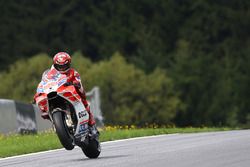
pixel 11 145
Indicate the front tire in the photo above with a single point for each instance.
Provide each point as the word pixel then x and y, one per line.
pixel 62 130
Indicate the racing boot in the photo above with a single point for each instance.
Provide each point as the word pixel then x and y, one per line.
pixel 94 133
pixel 45 115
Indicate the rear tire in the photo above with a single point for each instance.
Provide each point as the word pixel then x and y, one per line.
pixel 93 149
pixel 62 130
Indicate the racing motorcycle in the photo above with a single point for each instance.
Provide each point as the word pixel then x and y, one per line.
pixel 67 113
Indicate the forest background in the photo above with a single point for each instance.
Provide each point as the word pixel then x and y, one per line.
pixel 168 62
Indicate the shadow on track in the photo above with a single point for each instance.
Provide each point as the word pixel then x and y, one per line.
pixel 103 157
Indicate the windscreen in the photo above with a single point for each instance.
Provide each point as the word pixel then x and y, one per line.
pixel 51 81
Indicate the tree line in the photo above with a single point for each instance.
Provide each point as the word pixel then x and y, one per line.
pixel 200 47
pixel 128 95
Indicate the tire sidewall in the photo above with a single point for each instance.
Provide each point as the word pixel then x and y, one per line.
pixel 61 130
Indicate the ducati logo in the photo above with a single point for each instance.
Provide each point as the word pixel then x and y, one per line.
pixel 82 114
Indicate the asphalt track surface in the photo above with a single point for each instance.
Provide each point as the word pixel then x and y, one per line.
pixel 217 149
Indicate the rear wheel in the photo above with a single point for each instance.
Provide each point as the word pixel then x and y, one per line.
pixel 62 130
pixel 93 149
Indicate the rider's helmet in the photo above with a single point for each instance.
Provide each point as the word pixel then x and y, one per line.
pixel 62 61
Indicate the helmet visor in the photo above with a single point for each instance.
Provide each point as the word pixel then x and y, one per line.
pixel 63 67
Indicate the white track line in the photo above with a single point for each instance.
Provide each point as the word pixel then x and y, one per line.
pixel 102 143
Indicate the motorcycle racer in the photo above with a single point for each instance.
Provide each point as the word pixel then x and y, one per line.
pixel 62 64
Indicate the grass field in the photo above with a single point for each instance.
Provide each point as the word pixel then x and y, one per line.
pixel 11 145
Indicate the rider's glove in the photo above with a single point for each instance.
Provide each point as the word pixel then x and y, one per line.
pixel 77 84
pixel 68 84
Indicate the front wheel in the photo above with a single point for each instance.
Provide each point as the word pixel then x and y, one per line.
pixel 62 130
